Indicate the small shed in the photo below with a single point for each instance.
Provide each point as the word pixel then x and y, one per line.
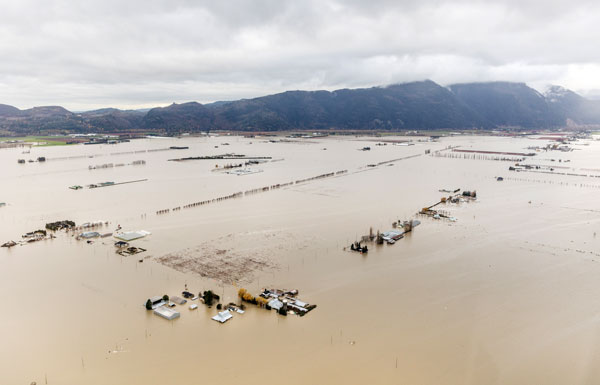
pixel 223 316
pixel 178 300
pixel 300 303
pixel 166 313
pixel 89 234
pixel 132 235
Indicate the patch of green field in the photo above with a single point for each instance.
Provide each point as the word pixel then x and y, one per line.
pixel 40 141
pixel 420 133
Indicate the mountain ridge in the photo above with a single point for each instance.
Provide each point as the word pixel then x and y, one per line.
pixel 422 105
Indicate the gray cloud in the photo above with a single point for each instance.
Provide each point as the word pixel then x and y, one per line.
pixel 143 53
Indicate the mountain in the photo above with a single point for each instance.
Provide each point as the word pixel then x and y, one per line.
pixel 6 110
pixel 572 106
pixel 508 104
pixel 38 119
pixel 190 116
pixel 402 106
pixel 55 119
pixel 420 105
pixel 112 119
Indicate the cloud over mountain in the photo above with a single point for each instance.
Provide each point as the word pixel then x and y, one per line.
pixel 137 53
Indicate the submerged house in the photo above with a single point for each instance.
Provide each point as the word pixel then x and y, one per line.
pixel 392 235
pixel 166 313
pixel 157 301
pixel 275 304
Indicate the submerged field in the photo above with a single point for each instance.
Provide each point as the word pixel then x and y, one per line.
pixel 505 292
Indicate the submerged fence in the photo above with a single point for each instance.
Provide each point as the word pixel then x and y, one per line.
pixel 250 192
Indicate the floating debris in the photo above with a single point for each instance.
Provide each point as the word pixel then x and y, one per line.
pixel 227 265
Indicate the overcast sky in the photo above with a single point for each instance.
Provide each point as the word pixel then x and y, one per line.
pixel 140 53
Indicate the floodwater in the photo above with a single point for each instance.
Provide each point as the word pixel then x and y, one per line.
pixel 510 293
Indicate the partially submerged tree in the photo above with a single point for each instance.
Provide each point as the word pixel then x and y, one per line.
pixel 208 297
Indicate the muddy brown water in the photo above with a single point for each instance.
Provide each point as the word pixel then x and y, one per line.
pixel 510 293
